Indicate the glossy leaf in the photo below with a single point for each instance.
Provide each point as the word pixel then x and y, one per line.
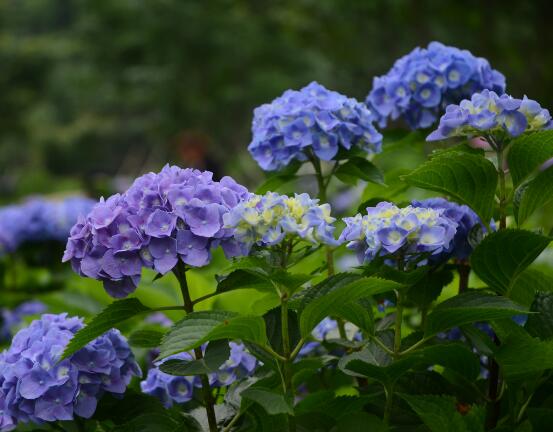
pixel 272 402
pixel 528 153
pixel 146 338
pixel 537 193
pixel 216 353
pixel 358 168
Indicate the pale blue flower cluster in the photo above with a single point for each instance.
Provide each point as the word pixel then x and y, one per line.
pixel 171 389
pixel 488 114
pixel 36 387
pixel 176 214
pixel 266 220
pixel 312 120
pixel 460 248
pixel 39 220
pixel 421 84
pixel 410 234
pixel 10 319
pixel 319 333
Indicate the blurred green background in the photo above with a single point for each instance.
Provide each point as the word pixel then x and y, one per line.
pixel 98 91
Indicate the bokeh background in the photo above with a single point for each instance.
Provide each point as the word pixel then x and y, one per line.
pixel 96 92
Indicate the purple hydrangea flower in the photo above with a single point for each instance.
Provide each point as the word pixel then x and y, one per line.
pixel 488 114
pixel 312 119
pixel 392 232
pixel 36 387
pixel 11 319
pixel 421 84
pixel 460 248
pixel 39 220
pixel 170 389
pixel 162 218
pixel 269 219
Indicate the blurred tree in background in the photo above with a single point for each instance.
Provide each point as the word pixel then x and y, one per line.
pixel 95 90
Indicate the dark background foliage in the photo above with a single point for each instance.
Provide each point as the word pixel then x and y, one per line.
pixel 95 91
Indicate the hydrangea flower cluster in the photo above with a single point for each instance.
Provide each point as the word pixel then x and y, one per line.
pixel 175 214
pixel 34 387
pixel 39 220
pixel 392 232
pixel 170 389
pixel 421 84
pixel 311 119
pixel 486 113
pixel 460 248
pixel 266 220
pixel 12 318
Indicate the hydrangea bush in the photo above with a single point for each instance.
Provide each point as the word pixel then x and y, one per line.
pixel 443 322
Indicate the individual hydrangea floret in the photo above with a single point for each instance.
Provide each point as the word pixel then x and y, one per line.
pixel 313 120
pixel 409 234
pixel 266 220
pixel 40 220
pixel 176 214
pixel 422 83
pixel 467 221
pixel 171 389
pixel 36 387
pixel 10 319
pixel 487 114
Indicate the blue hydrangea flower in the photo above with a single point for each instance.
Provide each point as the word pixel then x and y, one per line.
pixel 162 218
pixel 392 232
pixel 460 248
pixel 35 387
pixel 319 333
pixel 487 114
pixel 10 319
pixel 170 389
pixel 39 220
pixel 312 119
pixel 421 84
pixel 266 220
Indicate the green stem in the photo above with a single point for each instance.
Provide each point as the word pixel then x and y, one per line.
pixel 389 391
pixel 397 326
pixel 287 364
pixel 180 273
pixel 463 268
pixel 502 188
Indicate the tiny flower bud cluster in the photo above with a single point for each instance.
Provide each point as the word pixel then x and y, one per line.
pixel 399 233
pixel 312 119
pixel 175 214
pixel 422 83
pixel 170 389
pixel 266 220
pixel 36 387
pixel 488 114
pixel 39 220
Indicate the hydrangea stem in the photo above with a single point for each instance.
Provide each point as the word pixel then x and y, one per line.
pixel 180 273
pixel 463 268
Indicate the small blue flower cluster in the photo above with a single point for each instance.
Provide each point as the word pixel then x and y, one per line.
pixel 486 113
pixel 170 389
pixel 319 333
pixel 422 83
pixel 35 387
pixel 460 248
pixel 408 233
pixel 10 319
pixel 39 220
pixel 175 214
pixel 266 220
pixel 312 119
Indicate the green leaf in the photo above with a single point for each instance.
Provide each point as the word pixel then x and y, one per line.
pixel 540 324
pixel 272 402
pixel 335 299
pixel 146 338
pixel 439 414
pixel 358 168
pixel 429 287
pixel 521 354
pixel 244 279
pixel 358 314
pixel 468 178
pixel 361 422
pixel 115 313
pixel 330 283
pixel 505 254
pixel 467 308
pixel 199 327
pixel 528 153
pixel 525 286
pixel 216 353
pixel 537 193
pixel 274 182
